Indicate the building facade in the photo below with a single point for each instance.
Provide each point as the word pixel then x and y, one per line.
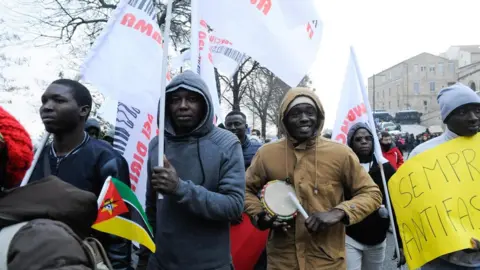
pixel 413 85
pixel 464 55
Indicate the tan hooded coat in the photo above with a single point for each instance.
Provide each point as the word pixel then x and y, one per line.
pixel 320 165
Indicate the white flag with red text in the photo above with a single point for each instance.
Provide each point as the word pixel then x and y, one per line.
pixel 125 64
pixel 269 31
pixel 354 107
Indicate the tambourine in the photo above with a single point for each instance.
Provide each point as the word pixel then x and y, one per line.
pixel 277 202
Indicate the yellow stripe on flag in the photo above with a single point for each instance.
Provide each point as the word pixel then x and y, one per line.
pixel 126 229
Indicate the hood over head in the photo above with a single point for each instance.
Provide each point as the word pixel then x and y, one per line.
pixel 454 96
pixel 92 122
pixel 354 129
pixel 191 81
pixel 291 97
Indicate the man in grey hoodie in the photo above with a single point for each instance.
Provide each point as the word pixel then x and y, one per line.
pixel 203 183
pixel 460 111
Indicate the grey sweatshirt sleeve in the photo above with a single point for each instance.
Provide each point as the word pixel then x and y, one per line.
pixel 227 203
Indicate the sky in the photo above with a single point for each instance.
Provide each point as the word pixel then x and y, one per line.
pixel 382 32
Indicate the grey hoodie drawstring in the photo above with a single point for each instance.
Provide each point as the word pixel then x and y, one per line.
pixel 201 163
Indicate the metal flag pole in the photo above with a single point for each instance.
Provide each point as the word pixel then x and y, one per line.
pixel 163 83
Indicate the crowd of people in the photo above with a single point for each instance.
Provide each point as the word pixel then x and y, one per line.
pixel 211 177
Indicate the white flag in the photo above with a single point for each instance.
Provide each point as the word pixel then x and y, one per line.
pixel 354 107
pixel 267 31
pixel 136 125
pixel 125 64
pixel 126 59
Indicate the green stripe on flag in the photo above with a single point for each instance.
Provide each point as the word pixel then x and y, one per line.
pixel 130 198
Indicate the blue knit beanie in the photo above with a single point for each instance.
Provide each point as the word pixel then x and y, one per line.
pixel 455 96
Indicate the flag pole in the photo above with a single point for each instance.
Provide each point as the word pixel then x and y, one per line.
pixel 194 36
pixel 379 157
pixel 163 83
pixel 40 147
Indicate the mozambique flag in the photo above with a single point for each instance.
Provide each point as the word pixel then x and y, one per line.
pixel 115 199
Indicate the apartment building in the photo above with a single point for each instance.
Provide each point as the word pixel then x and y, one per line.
pixel 413 85
pixel 464 55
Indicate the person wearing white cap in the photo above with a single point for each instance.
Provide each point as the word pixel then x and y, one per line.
pixel 460 111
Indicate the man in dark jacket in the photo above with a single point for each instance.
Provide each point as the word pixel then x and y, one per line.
pixel 203 183
pixel 56 222
pixel 366 241
pixel 75 157
pixel 236 122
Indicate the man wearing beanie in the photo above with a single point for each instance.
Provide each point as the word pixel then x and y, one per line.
pixel 460 111
pixel 321 172
pixel 16 151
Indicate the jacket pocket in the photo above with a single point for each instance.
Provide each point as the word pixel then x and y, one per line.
pixel 324 199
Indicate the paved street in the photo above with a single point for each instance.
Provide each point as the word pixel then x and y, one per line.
pixel 390 264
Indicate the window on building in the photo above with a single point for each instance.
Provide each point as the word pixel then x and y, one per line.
pixel 398 103
pixel 423 68
pixel 415 68
pixel 432 68
pixel 451 67
pixel 383 94
pixel 416 88
pixel 440 68
pixel 425 106
pixel 432 86
pixel 389 105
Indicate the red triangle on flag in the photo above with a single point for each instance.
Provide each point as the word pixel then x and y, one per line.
pixel 112 204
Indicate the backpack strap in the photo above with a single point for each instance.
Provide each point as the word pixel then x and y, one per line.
pixel 6 237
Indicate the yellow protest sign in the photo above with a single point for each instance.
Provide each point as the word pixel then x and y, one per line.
pixel 436 198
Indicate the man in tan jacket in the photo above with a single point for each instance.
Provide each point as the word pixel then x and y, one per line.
pixel 320 171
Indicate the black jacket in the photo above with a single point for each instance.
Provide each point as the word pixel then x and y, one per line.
pixel 373 229
pixel 87 168
pixel 58 216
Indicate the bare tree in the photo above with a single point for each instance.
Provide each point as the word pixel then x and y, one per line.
pixel 79 22
pixel 265 93
pixel 8 40
pixel 262 86
pixel 237 86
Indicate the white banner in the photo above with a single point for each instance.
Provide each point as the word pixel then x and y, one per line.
pixel 125 64
pixel 354 108
pixel 126 59
pixel 135 126
pixel 268 31
pixel 206 71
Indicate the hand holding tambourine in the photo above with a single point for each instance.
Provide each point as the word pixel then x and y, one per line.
pixel 280 204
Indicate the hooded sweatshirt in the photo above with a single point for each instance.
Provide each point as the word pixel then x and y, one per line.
pixel 320 170
pixel 373 229
pixel 193 225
